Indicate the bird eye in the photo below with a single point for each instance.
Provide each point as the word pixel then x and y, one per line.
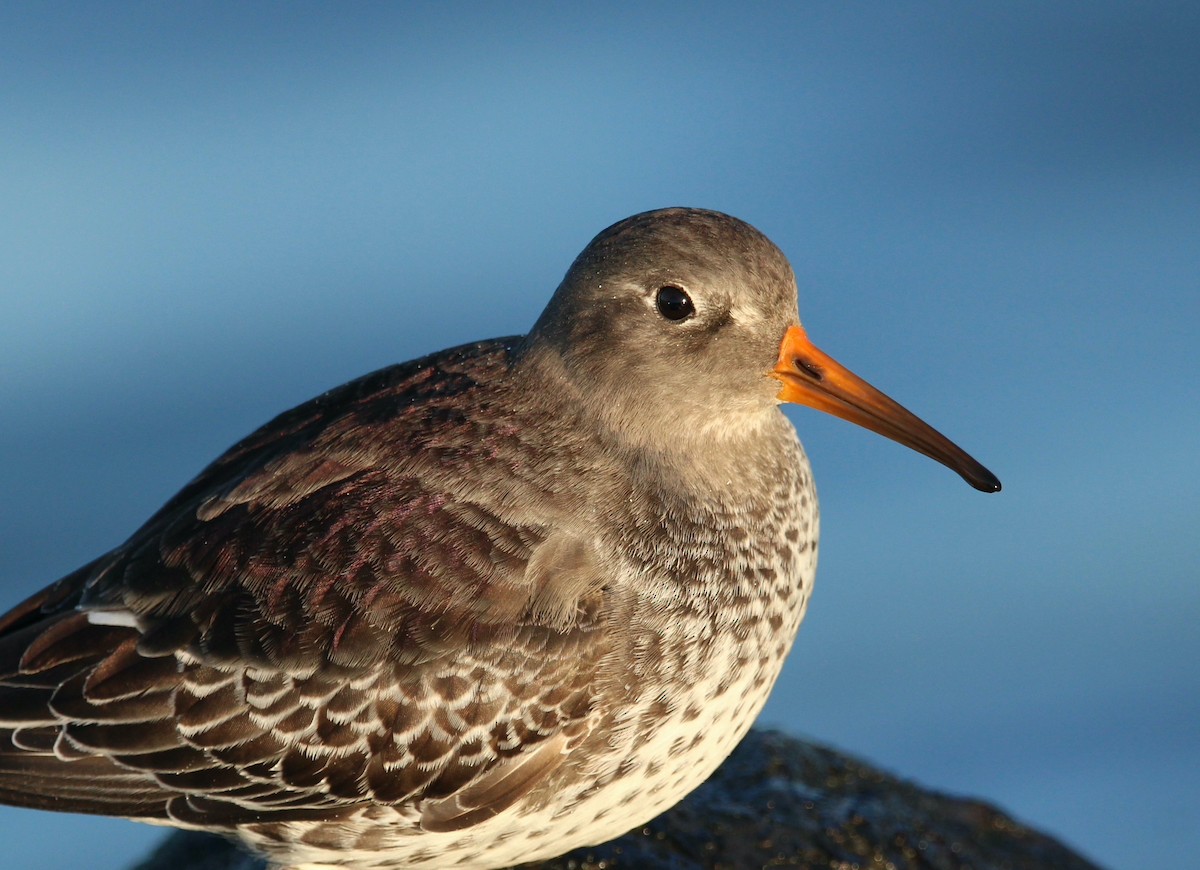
pixel 673 303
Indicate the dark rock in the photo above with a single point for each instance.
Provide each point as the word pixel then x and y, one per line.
pixel 777 802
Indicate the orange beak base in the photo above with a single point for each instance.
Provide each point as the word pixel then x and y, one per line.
pixel 811 377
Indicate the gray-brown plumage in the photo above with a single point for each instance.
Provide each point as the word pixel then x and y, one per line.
pixel 478 608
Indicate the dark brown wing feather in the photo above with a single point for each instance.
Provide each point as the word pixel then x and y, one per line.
pixel 333 612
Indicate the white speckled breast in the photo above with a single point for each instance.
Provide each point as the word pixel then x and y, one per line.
pixel 703 638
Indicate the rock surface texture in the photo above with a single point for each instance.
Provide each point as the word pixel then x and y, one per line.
pixel 777 802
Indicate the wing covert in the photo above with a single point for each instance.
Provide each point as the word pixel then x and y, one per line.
pixel 330 614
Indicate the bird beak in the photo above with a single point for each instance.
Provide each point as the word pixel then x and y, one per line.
pixel 812 377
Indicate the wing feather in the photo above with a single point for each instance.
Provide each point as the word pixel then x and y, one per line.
pixel 332 614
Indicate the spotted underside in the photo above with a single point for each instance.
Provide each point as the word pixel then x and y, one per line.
pixel 329 639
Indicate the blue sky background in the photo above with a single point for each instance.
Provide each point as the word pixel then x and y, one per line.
pixel 210 213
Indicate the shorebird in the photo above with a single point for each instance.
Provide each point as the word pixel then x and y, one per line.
pixel 475 609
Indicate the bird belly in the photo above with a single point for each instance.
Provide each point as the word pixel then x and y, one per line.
pixel 674 728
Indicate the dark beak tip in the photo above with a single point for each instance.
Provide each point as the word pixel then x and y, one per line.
pixel 983 480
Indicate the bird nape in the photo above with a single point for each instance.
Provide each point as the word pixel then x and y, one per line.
pixel 474 609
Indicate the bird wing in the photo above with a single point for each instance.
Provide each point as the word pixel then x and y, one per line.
pixel 333 613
